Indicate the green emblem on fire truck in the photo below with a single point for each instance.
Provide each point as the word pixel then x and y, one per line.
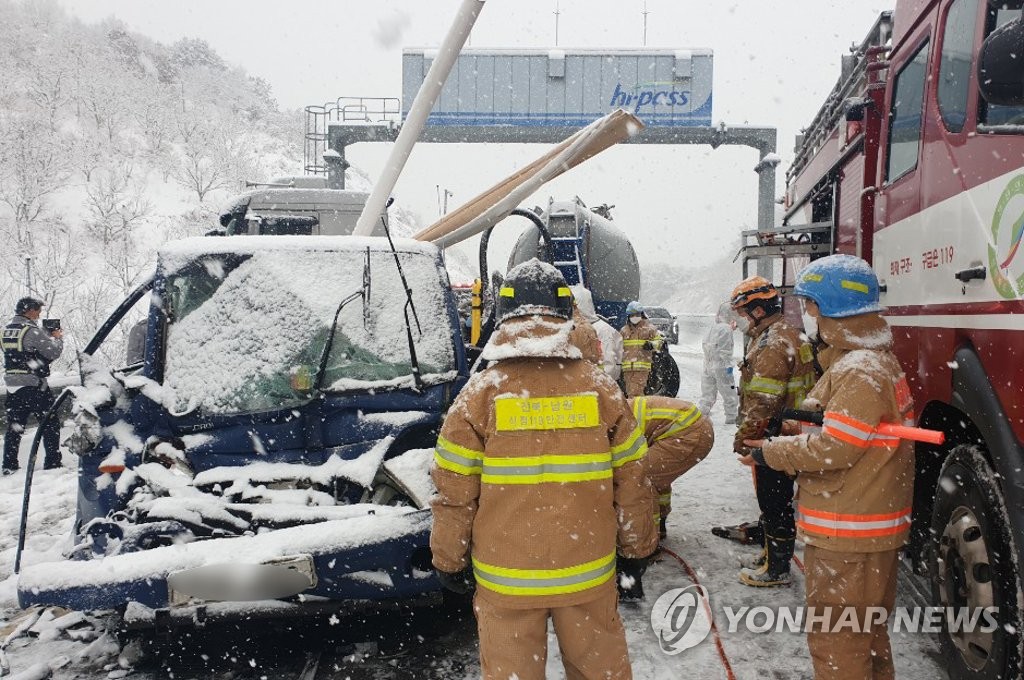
pixel 1008 222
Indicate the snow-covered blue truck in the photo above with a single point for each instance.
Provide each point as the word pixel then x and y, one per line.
pixel 272 446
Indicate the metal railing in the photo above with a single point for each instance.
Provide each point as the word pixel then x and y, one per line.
pixel 355 110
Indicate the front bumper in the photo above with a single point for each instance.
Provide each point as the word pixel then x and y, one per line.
pixel 373 557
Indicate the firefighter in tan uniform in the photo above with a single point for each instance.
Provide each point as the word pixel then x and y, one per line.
pixel 678 437
pixel 856 485
pixel 541 492
pixel 584 336
pixel 639 341
pixel 776 373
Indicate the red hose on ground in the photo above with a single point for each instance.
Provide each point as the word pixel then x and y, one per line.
pixel 707 607
pixel 799 564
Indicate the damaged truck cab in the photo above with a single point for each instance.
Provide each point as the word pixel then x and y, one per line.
pixel 281 421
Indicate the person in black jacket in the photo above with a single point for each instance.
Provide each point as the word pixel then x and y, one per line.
pixel 28 353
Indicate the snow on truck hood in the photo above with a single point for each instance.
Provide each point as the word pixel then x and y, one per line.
pixel 379 524
pixel 177 254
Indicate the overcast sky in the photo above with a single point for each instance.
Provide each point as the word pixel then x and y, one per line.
pixel 775 61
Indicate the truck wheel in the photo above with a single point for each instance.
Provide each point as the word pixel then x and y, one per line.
pixel 664 378
pixel 972 566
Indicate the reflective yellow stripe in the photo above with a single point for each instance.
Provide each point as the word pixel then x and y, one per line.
pixel 547 413
pixel 13 339
pixel 459 459
pixel 763 385
pixel 632 449
pixel 665 498
pixel 507 292
pixel 547 468
pixel 639 410
pixel 636 365
pixel 799 388
pixel 634 343
pixel 682 419
pixel 564 292
pixel 854 285
pixel 509 581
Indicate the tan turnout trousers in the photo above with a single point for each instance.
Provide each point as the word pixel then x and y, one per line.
pixel 514 642
pixel 635 382
pixel 858 580
pixel 667 460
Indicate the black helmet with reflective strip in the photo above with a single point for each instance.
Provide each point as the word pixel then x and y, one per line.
pixel 534 287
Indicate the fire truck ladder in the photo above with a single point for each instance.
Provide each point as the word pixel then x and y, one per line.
pixel 807 241
pixel 853 76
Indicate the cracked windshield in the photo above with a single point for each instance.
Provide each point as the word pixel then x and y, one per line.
pixel 264 320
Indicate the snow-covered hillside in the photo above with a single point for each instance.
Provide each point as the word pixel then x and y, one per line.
pixel 110 145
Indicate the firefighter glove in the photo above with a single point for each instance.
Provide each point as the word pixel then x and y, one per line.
pixel 648 345
pixel 629 577
pixel 461 582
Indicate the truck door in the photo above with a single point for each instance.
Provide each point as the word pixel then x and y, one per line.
pixel 899 226
pixel 950 266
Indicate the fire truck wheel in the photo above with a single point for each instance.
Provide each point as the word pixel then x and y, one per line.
pixel 972 566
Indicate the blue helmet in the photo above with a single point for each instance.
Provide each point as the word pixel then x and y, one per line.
pixel 841 285
pixel 634 307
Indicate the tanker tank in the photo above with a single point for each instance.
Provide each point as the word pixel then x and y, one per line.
pixel 589 248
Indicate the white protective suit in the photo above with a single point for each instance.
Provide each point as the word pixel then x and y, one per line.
pixel 611 339
pixel 718 365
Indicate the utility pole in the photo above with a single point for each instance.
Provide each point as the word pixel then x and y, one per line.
pixel 442 200
pixel 558 14
pixel 645 12
pixel 28 274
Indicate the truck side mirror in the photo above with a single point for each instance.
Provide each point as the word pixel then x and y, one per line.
pixel 1001 65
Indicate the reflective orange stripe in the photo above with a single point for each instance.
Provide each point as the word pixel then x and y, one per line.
pixel 848 525
pixel 852 533
pixel 849 517
pixel 856 432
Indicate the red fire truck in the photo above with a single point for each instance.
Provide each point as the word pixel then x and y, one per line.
pixel 916 163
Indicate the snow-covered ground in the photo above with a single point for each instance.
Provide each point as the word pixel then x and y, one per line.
pixel 717 491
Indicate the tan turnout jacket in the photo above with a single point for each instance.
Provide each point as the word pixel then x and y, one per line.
pixel 678 437
pixel 634 356
pixel 585 337
pixel 539 474
pixel 856 486
pixel 776 373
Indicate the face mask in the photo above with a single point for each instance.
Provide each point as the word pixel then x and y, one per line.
pixel 635 319
pixel 810 323
pixel 743 324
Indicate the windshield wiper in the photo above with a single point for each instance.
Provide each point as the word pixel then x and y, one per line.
pixel 409 304
pixel 361 293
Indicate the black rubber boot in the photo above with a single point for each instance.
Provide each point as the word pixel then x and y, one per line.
pixel 775 571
